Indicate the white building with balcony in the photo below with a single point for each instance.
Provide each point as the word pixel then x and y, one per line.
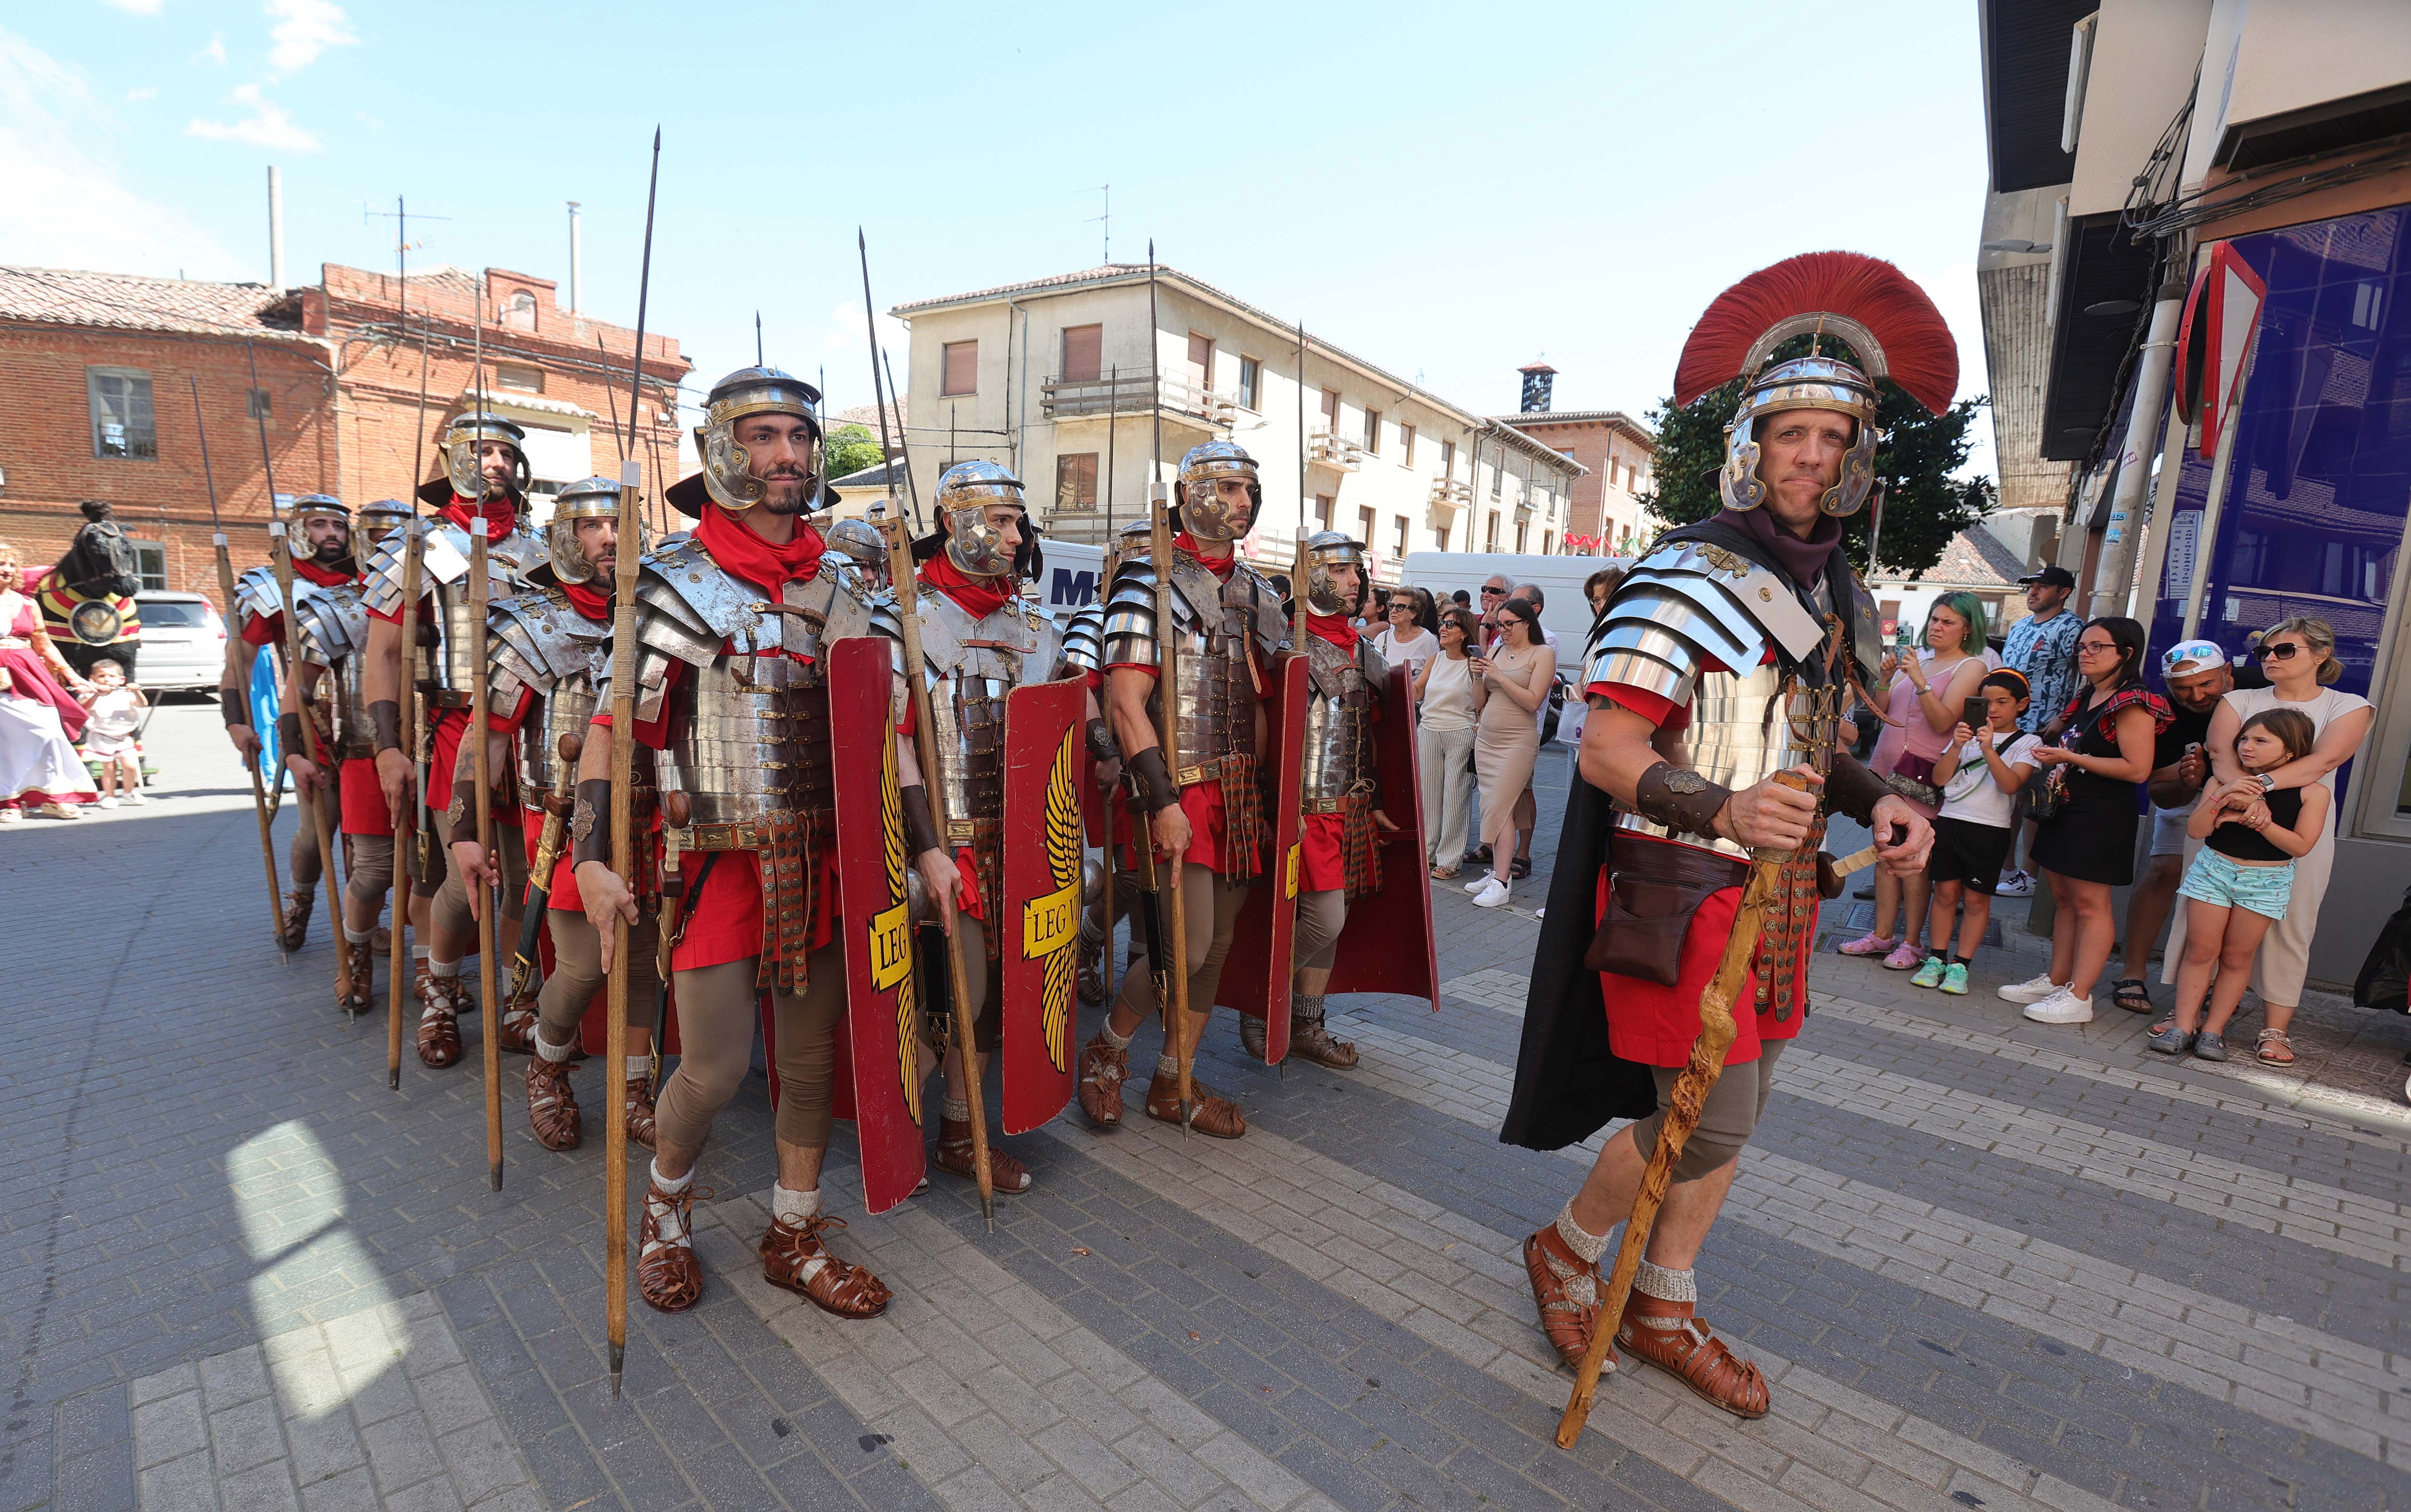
pixel 1063 379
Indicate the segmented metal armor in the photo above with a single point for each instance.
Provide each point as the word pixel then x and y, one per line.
pixel 1227 630
pixel 539 642
pixel 444 572
pixel 1084 639
pixel 1761 664
pixel 334 623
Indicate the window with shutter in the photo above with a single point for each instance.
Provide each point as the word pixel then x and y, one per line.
pixel 1075 481
pixel 960 372
pixel 1407 445
pixel 1201 360
pixel 1373 432
pixel 1083 354
pixel 1252 383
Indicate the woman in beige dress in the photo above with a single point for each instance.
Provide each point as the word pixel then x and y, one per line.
pixel 1514 679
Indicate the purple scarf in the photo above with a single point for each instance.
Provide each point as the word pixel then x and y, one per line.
pixel 1804 560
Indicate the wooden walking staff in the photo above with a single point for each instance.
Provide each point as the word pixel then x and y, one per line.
pixel 1691 1094
pixel 480 706
pixel 925 730
pixel 1176 968
pixel 413 562
pixel 279 552
pixel 225 598
pixel 624 839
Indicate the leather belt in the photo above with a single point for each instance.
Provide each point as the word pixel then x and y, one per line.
pixel 643 800
pixel 356 751
pixel 1209 771
pixel 450 698
pixel 1649 858
pixel 750 835
pixel 1323 806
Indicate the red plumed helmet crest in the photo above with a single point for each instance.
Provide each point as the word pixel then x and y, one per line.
pixel 1863 301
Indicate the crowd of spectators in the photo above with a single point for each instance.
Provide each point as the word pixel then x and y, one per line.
pixel 44 713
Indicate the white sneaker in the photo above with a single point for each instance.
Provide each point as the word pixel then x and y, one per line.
pixel 2033 990
pixel 107 802
pixel 2014 884
pixel 2062 1006
pixel 134 800
pixel 1493 893
pixel 1477 883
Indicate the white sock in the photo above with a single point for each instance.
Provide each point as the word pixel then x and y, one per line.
pixel 1665 1285
pixel 1119 1041
pixel 418 954
pixel 960 1112
pixel 558 1053
pixel 1580 1240
pixel 358 937
pixel 442 968
pixel 793 1206
pixel 673 1187
pixel 1167 1066
pixel 638 1066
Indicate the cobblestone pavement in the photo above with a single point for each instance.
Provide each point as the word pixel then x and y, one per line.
pixel 1985 1263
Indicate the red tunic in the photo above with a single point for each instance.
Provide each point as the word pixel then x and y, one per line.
pixel 1656 1025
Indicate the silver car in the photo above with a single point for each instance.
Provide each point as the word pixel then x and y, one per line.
pixel 184 641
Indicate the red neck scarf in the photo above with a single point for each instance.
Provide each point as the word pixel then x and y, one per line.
pixel 592 602
pixel 734 546
pixel 1340 630
pixel 501 513
pixel 980 597
pixel 1222 567
pixel 328 576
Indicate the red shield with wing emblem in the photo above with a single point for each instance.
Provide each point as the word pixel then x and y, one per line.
pixel 882 1015
pixel 1037 920
pixel 1256 974
pixel 1386 946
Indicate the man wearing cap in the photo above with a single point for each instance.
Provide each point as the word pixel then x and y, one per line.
pixel 2042 646
pixel 2197 675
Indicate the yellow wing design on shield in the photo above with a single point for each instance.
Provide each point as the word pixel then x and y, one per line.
pixel 891 830
pixel 1065 839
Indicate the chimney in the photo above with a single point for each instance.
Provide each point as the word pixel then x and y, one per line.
pixel 576 263
pixel 275 228
pixel 1539 377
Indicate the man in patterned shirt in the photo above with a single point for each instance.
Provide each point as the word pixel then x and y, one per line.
pixel 2042 646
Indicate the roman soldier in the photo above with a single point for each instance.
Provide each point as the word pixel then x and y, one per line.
pixel 320 536
pixel 737 624
pixel 485 477
pixel 1340 796
pixel 1209 816
pixel 334 639
pixel 980 639
pixel 854 546
pixel 1731 644
pixel 545 654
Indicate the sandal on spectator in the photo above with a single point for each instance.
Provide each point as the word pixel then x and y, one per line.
pixel 1520 867
pixel 2131 993
pixel 2209 1046
pixel 2171 1041
pixel 1869 943
pixel 2273 1048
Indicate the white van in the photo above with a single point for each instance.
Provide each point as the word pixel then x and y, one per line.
pixel 1069 577
pixel 1566 612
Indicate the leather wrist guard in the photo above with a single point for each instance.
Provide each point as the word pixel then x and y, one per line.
pixel 1156 791
pixel 590 822
pixel 1101 741
pixel 920 823
pixel 1679 798
pixel 288 736
pixel 1851 789
pixel 231 709
pixel 386 714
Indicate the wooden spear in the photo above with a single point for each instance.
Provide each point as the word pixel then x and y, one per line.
pixel 226 597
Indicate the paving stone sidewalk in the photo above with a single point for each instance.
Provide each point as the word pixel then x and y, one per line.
pixel 1986 1263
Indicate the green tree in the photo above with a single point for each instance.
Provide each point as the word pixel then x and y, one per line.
pixel 851 448
pixel 1924 506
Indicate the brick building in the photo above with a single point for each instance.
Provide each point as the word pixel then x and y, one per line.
pixel 101 371
pixel 1603 509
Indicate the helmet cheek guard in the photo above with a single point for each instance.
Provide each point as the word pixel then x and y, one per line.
pixel 966 492
pixel 1738 483
pixel 727 467
pixel 1849 495
pixel 1197 493
pixel 465 437
pixel 596 498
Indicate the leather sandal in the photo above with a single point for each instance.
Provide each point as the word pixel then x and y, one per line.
pixel 1211 1113
pixel 669 1276
pixel 295 932
pixel 2273 1049
pixel 1102 1072
pixel 552 1106
pixel 1090 976
pixel 1252 1035
pixel 1671 1336
pixel 789 1252
pixel 1009 1177
pixel 355 990
pixel 1310 1040
pixel 2131 993
pixel 514 1028
pixel 439 1026
pixel 1566 1287
pixel 639 1092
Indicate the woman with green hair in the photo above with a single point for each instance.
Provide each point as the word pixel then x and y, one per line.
pixel 1922 696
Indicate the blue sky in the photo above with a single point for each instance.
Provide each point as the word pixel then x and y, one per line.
pixel 1448 191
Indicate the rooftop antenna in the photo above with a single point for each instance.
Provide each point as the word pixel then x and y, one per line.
pixel 400 216
pixel 1106 189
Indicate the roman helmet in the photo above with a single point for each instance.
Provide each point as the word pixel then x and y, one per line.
pixel 1325 550
pixel 458 443
pixel 312 506
pixel 596 498
pixel 727 477
pixel 862 546
pixel 966 491
pixel 1197 507
pixel 1862 303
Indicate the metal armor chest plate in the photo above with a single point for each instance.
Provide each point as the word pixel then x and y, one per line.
pixel 972 665
pixel 539 642
pixel 1337 756
pixel 1214 621
pixel 334 630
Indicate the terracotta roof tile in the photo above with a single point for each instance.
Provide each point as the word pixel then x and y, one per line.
pixel 126 301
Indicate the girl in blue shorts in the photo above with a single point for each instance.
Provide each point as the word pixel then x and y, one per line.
pixel 2238 885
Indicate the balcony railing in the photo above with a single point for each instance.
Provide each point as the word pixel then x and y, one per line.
pixel 1448 495
pixel 1334 451
pixel 1128 392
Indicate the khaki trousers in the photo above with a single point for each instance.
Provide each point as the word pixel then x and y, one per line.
pixel 1315 940
pixel 578 973
pixel 372 876
pixel 988 1019
pixel 716 1018
pixel 305 863
pixel 1212 903
pixel 1726 1119
pixel 451 910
